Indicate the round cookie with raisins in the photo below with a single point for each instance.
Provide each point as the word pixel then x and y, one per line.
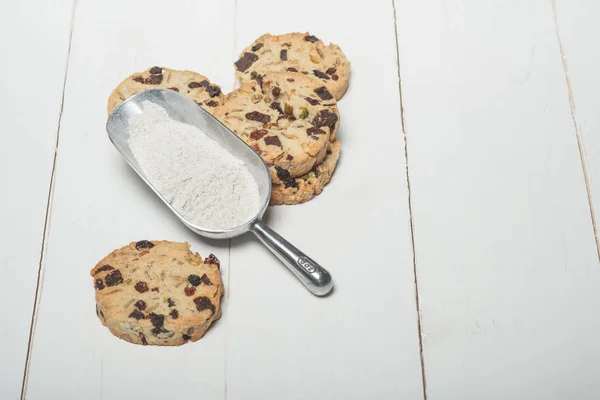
pixel 192 85
pixel 285 117
pixel 303 189
pixel 157 293
pixel 296 52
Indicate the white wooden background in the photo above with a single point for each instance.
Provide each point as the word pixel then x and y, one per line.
pixel 459 226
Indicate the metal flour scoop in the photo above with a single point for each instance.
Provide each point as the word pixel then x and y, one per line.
pixel 312 275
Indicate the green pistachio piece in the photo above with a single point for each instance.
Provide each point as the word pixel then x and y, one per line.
pixel 303 112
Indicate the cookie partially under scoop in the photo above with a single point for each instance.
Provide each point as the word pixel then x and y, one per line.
pixel 192 85
pixel 157 293
pixel 287 118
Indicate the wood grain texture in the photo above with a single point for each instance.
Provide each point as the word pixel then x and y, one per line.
pixel 100 204
pixel 505 250
pixel 362 341
pixel 34 48
pixel 577 30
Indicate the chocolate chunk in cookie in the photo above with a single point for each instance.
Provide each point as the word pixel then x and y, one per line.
pixel 154 79
pixel 140 305
pixel 315 131
pixel 113 278
pixel 259 117
pixel 158 320
pixel 194 279
pixel 144 244
pixel 325 118
pixel 276 106
pixel 290 183
pixel 136 315
pixel 204 303
pixel 282 174
pixel 205 281
pixel 212 259
pixel 105 268
pixel 323 93
pixel 99 284
pixel 245 61
pixel 213 90
pixel 258 134
pixel 320 74
pixel 273 141
pixel 141 287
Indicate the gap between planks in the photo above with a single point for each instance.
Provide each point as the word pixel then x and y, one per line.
pixel 225 372
pixel 577 129
pixel 39 280
pixel 227 324
pixel 412 230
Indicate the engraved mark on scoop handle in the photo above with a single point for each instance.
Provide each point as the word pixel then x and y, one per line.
pixel 305 263
pixel 316 278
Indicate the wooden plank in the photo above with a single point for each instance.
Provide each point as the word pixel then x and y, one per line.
pixel 577 29
pixel 506 260
pixel 34 54
pixel 362 341
pixel 99 205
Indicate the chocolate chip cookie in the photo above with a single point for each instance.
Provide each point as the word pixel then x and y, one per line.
pixel 303 189
pixel 296 52
pixel 157 293
pixel 287 118
pixel 192 85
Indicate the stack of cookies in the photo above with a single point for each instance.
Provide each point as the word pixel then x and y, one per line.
pixel 285 109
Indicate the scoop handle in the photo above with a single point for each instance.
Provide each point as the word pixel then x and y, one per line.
pixel 316 278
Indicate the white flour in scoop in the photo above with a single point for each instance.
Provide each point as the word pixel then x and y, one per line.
pixel 205 183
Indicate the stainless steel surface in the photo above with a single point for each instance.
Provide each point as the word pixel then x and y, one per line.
pixel 182 109
pixel 315 278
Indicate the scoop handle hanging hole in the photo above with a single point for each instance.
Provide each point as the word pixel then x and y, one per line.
pixel 316 278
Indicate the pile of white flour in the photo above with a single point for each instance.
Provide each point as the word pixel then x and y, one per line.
pixel 205 183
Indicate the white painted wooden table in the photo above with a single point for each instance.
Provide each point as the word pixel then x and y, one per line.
pixel 459 226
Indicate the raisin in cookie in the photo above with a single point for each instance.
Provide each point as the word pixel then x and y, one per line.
pixel 285 117
pixel 157 293
pixel 192 85
pixel 296 52
pixel 303 189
